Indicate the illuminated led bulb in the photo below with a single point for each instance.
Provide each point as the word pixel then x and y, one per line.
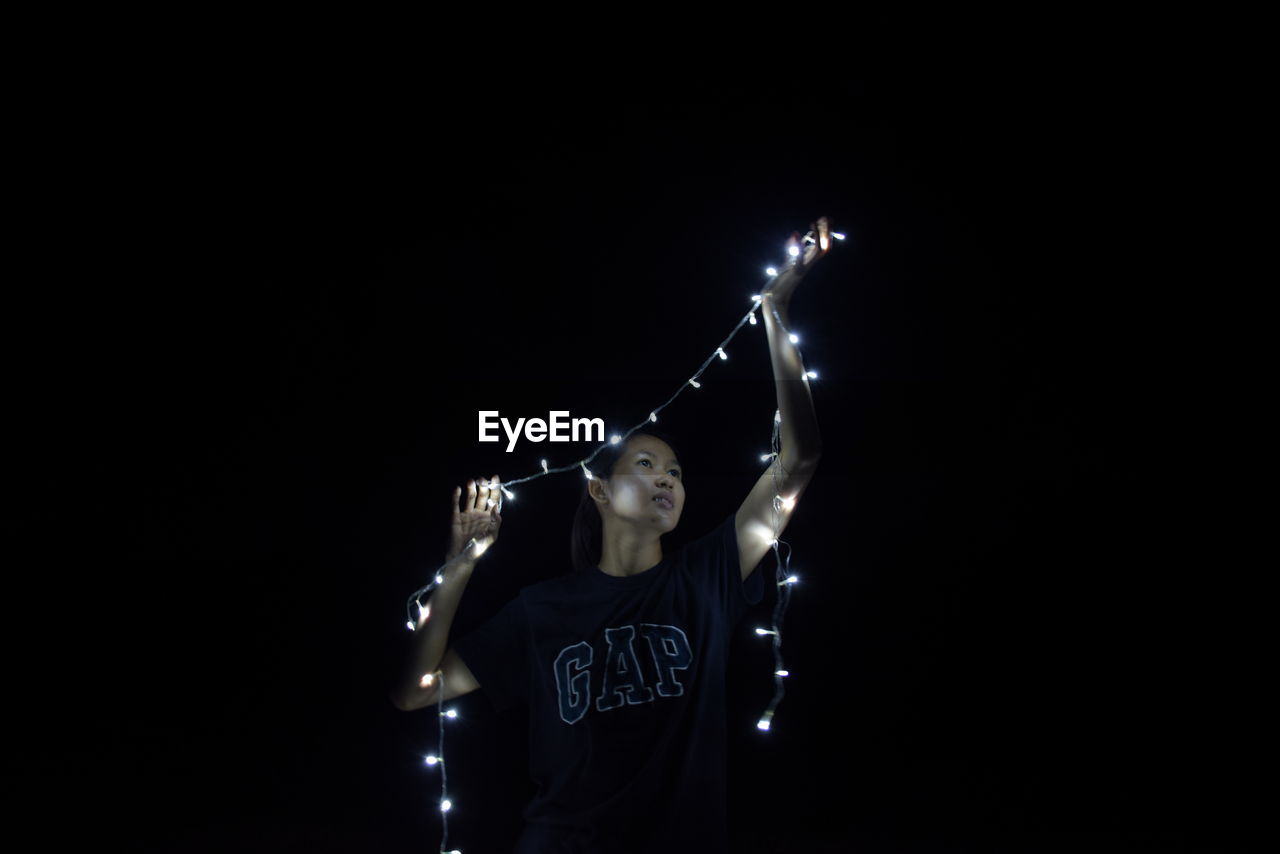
pixel 410 625
pixel 765 632
pixel 813 375
pixel 771 271
pixel 511 496
pixel 777 416
pixel 763 725
pixel 452 713
pixel 782 673
pixel 793 250
pixel 789 580
pixel 752 318
pixel 615 439
pixel 695 383
pixel 432 760
pixel 837 235
pixel 586 471
pixel 439 579
pixel 720 352
pixel 653 416
pixel 544 467
pixel 764 458
pixel 787 503
pixel 446 805
pixel 757 297
pixel 795 339
pixel 479 547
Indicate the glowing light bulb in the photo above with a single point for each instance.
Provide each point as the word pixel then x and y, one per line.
pixel 452 713
pixel 795 339
pixel 427 680
pixel 480 547
pixel 752 318
pixel 764 458
pixel 586 471
pixel 789 580
pixel 446 805
pixel 653 416
pixel 757 297
pixel 788 503
pixel 511 496
pixel 782 673
pixel 763 725
pixel 432 760
pixel 695 383
pixel 777 416
pixel 837 235
pixel 771 271
pixel 615 439
pixel 793 251
pixel 813 375
pixel 720 352
pixel 439 579
pixel 545 470
pixel 765 632
pixel 410 625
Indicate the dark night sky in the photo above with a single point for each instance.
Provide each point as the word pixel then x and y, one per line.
pixel 255 371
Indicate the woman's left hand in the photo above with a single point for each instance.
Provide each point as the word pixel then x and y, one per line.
pixel 806 255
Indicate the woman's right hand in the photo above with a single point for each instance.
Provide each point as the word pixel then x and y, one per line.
pixel 474 518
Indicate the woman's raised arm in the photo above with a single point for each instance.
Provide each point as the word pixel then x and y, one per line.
pixel 474 527
pixel 762 515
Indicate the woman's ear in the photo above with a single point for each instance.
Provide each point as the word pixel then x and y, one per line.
pixel 598 491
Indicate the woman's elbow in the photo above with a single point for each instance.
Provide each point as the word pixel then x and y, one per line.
pixel 411 701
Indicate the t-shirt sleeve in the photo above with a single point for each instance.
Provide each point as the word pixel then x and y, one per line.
pixel 715 557
pixel 497 654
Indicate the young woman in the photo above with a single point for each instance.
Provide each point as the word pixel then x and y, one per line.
pixel 622 663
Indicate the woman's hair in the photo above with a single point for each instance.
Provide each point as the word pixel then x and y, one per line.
pixel 587 539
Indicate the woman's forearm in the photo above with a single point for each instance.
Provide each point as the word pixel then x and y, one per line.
pixel 801 443
pixel 417 686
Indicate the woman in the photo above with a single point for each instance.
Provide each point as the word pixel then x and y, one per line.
pixel 622 663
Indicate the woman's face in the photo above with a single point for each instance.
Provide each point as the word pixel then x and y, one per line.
pixel 646 485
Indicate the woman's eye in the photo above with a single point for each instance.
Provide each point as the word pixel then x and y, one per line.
pixel 644 462
pixel 675 472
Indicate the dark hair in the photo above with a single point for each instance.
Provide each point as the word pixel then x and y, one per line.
pixel 587 540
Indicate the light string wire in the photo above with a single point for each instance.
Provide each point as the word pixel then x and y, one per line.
pixel 782 567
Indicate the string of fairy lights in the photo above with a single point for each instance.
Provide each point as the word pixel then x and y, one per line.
pixel 783 577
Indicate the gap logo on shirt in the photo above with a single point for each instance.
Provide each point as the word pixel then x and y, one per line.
pixel 622 680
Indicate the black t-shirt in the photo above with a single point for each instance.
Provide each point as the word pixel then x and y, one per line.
pixel 625 683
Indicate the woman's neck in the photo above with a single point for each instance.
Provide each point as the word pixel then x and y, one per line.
pixel 626 553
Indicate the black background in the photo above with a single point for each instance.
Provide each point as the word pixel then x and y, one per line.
pixel 266 309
